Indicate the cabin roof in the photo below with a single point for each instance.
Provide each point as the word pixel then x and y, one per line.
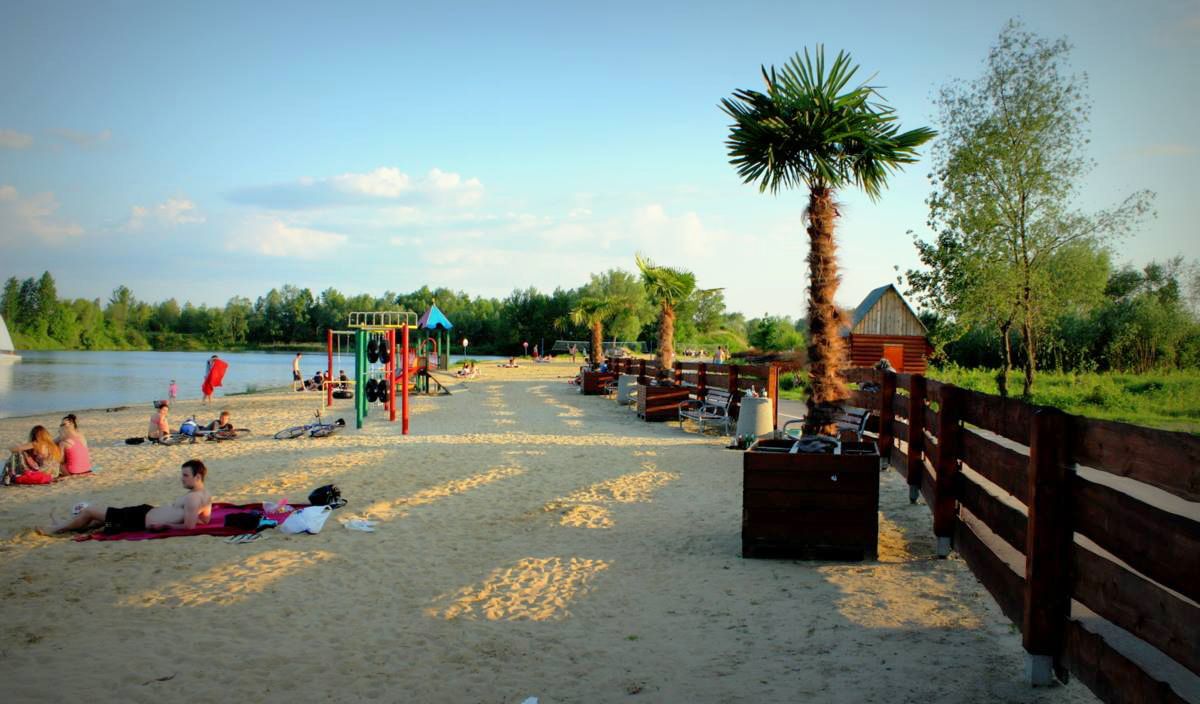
pixel 873 298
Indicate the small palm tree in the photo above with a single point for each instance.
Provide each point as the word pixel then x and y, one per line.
pixel 667 288
pixel 811 129
pixel 592 311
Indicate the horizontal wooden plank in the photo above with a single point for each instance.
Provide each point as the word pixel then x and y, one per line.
pixel 1111 676
pixel 1005 586
pixel 1162 458
pixel 1161 545
pixel 903 380
pixel 1008 417
pixel 930 447
pixel 862 375
pixel 847 482
pixel 900 405
pixel 823 527
pixel 933 390
pixel 1139 606
pixel 928 480
pixel 1002 466
pixel 1005 521
pixel 807 500
pixel 900 430
pixel 865 399
pixel 931 419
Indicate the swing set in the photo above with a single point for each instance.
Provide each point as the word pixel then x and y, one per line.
pixel 375 354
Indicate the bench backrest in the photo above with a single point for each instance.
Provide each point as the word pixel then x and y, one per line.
pixel 717 397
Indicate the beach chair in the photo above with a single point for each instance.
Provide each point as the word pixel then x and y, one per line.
pixel 712 408
pixel 851 419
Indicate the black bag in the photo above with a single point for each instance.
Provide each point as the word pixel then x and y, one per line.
pixel 328 495
pixel 247 520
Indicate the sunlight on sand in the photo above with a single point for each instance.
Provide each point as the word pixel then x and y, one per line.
pixel 902 591
pixel 582 509
pixel 535 589
pixel 229 584
pixel 300 477
pixel 397 508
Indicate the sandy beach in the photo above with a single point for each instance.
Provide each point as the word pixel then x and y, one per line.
pixel 531 542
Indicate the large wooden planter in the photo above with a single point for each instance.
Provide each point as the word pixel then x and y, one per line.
pixel 809 506
pixel 594 382
pixel 659 403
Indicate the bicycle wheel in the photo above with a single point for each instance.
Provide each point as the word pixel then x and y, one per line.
pixel 323 431
pixel 176 439
pixel 224 434
pixel 292 432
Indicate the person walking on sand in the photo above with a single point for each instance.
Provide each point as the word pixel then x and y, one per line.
pixel 297 379
pixel 573 350
pixel 188 511
pixel 172 391
pixel 206 387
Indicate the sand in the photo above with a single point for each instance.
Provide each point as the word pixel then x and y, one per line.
pixel 531 542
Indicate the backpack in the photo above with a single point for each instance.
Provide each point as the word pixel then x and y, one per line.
pixel 328 495
pixel 189 428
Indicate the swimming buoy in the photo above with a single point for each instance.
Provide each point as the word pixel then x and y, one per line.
pixel 373 350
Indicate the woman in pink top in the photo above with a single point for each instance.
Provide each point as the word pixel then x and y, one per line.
pixel 74 448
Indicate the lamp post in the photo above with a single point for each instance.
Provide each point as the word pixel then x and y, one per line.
pixel 526 346
pixel 464 343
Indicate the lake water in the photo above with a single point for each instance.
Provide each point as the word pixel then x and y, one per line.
pixel 45 382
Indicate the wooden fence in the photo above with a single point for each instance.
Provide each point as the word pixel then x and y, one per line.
pixel 735 378
pixel 991 467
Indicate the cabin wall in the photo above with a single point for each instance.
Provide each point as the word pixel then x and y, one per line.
pixel 889 316
pixel 867 350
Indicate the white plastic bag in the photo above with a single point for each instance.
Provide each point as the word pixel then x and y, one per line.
pixel 306 520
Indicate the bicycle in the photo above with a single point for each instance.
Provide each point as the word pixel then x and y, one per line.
pixel 219 434
pixel 314 430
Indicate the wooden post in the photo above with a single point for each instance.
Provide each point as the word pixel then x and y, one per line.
pixel 678 369
pixel 736 405
pixel 1047 546
pixel 773 391
pixel 887 415
pixel 701 378
pixel 642 372
pixel 944 490
pixel 916 438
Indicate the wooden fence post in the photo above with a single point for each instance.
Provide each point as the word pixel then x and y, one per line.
pixel 773 392
pixel 945 491
pixel 1047 546
pixel 677 367
pixel 887 415
pixel 642 372
pixel 916 438
pixel 736 405
pixel 701 378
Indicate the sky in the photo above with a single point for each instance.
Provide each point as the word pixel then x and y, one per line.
pixel 206 150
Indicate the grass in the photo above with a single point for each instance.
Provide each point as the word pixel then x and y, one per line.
pixel 1169 400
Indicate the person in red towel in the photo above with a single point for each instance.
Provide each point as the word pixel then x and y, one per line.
pixel 192 509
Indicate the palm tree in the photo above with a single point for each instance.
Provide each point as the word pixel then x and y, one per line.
pixel 592 311
pixel 811 129
pixel 667 288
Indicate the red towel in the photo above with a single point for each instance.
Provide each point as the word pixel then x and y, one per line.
pixel 215 526
pixel 215 376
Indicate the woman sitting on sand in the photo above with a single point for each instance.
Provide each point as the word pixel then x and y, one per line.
pixel 30 461
pixel 74 448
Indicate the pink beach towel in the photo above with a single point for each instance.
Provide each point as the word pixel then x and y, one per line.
pixel 216 525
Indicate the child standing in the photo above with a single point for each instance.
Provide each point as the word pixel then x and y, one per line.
pixel 172 390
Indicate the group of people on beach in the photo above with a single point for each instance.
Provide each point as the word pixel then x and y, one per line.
pixel 34 462
pixel 159 429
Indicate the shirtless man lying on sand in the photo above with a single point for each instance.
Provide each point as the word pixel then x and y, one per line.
pixel 190 510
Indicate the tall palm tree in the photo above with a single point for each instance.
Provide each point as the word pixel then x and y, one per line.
pixel 811 129
pixel 667 288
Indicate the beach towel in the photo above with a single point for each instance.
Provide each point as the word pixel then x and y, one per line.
pixel 216 374
pixel 216 525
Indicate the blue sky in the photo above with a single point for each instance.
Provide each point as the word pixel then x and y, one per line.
pixel 204 150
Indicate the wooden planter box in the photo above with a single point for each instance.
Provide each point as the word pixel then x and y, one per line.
pixel 594 382
pixel 809 506
pixel 660 403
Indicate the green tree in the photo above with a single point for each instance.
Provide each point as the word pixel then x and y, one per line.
pixel 812 129
pixel 10 304
pixel 772 333
pixel 1006 173
pixel 617 284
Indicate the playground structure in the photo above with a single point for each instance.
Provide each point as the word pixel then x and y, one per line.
pixel 433 352
pixel 375 355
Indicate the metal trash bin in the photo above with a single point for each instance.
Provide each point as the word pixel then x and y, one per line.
pixel 755 417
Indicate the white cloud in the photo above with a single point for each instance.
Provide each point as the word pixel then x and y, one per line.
pixel 273 237
pixel 1168 149
pixel 32 215
pixel 386 184
pixel 169 213
pixel 12 139
pixel 86 140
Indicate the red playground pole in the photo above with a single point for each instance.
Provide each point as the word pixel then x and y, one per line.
pixel 329 376
pixel 404 380
pixel 391 374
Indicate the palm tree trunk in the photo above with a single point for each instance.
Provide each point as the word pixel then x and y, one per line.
pixel 827 348
pixel 597 351
pixel 666 338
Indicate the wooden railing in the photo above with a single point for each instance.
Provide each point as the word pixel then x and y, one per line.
pixel 989 466
pixel 734 378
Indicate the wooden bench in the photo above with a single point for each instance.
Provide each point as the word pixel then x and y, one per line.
pixel 712 408
pixel 851 419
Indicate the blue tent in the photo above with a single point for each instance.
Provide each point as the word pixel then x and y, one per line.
pixel 434 319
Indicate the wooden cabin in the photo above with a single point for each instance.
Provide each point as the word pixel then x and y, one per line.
pixel 884 326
